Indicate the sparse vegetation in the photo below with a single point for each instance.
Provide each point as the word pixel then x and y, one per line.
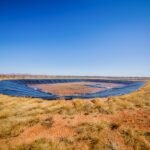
pixel 48 122
pixel 114 123
pixel 40 144
pixel 135 140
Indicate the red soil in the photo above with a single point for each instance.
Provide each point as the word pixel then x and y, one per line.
pixel 62 127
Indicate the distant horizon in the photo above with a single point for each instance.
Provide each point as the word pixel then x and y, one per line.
pixel 26 74
pixel 77 37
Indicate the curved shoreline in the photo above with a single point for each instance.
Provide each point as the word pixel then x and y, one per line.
pixel 19 88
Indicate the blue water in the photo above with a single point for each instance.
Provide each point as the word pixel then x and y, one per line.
pixel 19 88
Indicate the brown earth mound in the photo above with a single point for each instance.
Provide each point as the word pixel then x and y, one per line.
pixel 78 88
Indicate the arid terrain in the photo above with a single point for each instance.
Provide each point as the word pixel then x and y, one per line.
pixel 77 88
pixel 113 123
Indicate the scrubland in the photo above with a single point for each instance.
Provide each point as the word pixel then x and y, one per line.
pixel 114 123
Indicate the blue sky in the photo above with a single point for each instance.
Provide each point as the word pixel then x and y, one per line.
pixel 75 37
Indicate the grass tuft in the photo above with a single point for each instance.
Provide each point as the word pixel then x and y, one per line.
pixel 48 122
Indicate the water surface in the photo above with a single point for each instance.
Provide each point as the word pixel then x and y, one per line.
pixel 19 88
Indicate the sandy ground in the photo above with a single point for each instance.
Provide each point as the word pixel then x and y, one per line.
pixel 120 123
pixel 77 88
pixel 62 127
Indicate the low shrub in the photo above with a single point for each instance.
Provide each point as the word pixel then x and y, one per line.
pixel 48 122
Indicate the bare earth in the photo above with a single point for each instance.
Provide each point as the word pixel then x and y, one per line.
pixel 77 88
pixel 114 123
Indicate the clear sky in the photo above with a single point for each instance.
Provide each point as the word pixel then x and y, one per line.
pixel 75 37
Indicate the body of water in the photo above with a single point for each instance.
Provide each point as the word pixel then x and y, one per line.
pixel 19 88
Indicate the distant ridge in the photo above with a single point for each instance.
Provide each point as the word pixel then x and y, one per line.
pixel 29 76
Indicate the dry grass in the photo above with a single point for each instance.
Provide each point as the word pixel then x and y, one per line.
pixel 115 123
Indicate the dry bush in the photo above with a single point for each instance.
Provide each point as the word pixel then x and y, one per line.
pixel 18 114
pixel 48 122
pixel 40 144
pixel 135 140
pixel 14 127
